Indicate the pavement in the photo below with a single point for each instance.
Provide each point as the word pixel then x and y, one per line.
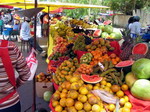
pixel 26 90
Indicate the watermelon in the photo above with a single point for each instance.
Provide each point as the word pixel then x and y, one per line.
pixel 115 35
pixel 140 48
pixel 91 79
pixel 108 29
pixel 125 66
pixel 124 63
pixel 104 35
pixel 97 33
pixel 101 27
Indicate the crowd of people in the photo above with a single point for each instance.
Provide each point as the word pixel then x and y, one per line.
pixel 22 27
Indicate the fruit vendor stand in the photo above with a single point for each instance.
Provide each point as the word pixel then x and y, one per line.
pixel 91 73
pixel 95 74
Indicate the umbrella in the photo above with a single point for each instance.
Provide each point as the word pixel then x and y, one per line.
pixel 60 10
pixel 29 12
pixel 6 6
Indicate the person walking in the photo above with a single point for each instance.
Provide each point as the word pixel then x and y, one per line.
pixel 11 59
pixel 25 35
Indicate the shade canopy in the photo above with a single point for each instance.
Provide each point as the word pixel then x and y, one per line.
pixel 6 6
pixel 52 4
pixel 29 12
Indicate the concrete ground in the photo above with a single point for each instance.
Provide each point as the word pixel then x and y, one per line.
pixel 26 90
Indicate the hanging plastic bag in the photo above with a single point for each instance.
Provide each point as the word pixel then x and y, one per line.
pixel 32 62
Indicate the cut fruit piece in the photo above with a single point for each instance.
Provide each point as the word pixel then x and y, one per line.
pixel 125 66
pixel 91 79
pixel 97 33
pixel 124 63
pixel 140 48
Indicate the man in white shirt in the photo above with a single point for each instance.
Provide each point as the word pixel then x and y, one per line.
pixel 135 27
pixel 25 35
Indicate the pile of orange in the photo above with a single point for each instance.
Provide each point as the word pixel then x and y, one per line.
pixel 84 69
pixel 114 58
pixel 65 70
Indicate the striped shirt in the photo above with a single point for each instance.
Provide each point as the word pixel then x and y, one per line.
pixel 19 65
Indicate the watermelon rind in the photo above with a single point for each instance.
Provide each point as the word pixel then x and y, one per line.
pixel 140 48
pixel 88 78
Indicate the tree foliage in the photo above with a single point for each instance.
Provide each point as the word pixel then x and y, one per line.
pixel 126 6
pixel 123 6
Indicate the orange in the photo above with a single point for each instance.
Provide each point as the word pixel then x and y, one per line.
pixel 124 87
pixel 78 105
pixel 122 101
pixel 55 103
pixel 96 108
pixel 111 107
pixel 83 90
pixel 115 88
pixel 125 109
pixel 126 98
pixel 87 107
pixel 63 102
pixel 103 82
pixel 108 85
pixel 63 95
pixel 73 94
pixel 82 98
pixel 58 108
pixel 128 105
pixel 120 94
pixel 69 102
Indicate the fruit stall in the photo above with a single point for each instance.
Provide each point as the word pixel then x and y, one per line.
pixel 90 72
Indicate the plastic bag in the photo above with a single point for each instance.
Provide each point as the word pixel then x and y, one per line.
pixel 32 62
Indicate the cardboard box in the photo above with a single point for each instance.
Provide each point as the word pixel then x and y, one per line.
pixel 41 87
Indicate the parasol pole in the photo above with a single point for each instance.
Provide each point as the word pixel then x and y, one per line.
pixel 48 26
pixel 34 88
pixel 24 4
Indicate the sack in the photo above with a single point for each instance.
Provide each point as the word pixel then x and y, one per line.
pixel 32 62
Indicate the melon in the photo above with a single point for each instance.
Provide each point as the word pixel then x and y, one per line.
pixel 115 35
pixel 108 29
pixel 97 33
pixel 101 27
pixel 130 78
pixel 125 66
pixel 141 68
pixel 140 89
pixel 105 35
pixel 47 95
pixel 140 48
pixel 91 79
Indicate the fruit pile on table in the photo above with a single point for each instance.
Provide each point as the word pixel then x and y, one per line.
pixel 93 78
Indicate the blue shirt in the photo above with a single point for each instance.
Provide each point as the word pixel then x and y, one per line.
pixel 25 31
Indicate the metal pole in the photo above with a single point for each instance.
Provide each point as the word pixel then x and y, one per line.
pixel 48 27
pixel 34 81
pixel 24 4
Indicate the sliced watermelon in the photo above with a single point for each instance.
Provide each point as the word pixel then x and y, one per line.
pixel 140 48
pixel 125 63
pixel 91 79
pixel 97 33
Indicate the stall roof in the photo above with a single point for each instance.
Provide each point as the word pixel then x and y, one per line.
pixel 53 4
